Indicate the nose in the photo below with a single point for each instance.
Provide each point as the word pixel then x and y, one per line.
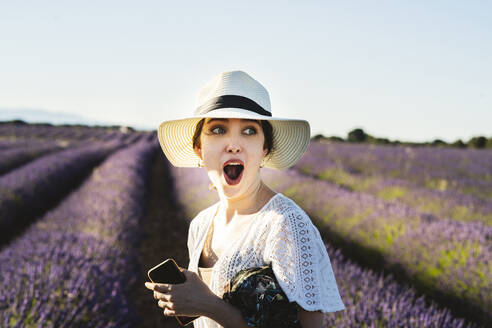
pixel 233 149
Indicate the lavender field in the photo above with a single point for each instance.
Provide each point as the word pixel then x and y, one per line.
pixel 85 211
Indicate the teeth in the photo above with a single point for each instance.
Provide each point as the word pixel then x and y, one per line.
pixel 234 164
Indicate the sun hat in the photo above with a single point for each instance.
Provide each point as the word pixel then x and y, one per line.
pixel 234 94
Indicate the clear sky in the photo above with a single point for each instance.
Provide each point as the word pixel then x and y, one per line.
pixel 407 70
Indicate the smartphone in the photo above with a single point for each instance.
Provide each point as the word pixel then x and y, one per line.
pixel 168 272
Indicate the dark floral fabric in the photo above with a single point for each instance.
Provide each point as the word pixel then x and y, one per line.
pixel 257 294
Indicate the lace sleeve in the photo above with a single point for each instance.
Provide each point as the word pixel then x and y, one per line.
pixel 301 264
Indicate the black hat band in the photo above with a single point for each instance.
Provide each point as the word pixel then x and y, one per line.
pixel 231 101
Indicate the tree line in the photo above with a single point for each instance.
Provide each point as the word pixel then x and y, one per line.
pixel 360 136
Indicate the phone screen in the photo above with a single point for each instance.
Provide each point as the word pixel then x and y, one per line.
pixel 166 272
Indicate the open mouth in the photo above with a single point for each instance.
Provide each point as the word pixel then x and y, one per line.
pixel 233 173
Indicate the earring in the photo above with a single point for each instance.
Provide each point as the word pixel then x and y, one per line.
pixel 262 163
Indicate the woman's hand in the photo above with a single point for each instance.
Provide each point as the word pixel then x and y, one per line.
pixel 191 298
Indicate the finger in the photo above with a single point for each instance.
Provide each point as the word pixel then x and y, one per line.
pixel 161 296
pixel 158 287
pixel 167 304
pixel 168 312
pixel 163 288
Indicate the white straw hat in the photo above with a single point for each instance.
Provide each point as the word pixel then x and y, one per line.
pixel 234 94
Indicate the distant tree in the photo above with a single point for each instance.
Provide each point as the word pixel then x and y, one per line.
pixel 318 137
pixel 357 135
pixel 335 138
pixel 459 144
pixel 382 141
pixel 489 143
pixel 477 142
pixel 438 142
pixel 17 122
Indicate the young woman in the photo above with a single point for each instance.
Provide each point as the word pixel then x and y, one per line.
pixel 232 135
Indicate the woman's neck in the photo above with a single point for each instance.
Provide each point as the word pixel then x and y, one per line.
pixel 246 205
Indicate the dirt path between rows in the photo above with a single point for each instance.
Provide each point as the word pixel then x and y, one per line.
pixel 165 232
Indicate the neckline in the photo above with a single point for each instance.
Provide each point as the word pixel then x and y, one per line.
pixel 216 207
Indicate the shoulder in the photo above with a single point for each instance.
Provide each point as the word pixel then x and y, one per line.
pixel 286 211
pixel 287 220
pixel 291 224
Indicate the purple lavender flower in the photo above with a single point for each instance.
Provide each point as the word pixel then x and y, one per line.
pixel 13 157
pixel 74 266
pixel 33 188
pixel 467 171
pixel 443 257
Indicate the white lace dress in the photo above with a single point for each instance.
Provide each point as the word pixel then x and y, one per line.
pixel 282 234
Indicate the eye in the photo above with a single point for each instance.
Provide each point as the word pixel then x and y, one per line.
pixel 217 130
pixel 251 129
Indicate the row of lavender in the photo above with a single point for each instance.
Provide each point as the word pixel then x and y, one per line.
pixel 12 131
pixel 20 147
pixel 450 260
pixel 439 184
pixel 465 171
pixel 29 190
pixel 74 266
pixel 15 156
pixel 371 299
pixel 333 162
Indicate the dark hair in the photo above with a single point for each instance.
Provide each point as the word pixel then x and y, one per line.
pixel 265 126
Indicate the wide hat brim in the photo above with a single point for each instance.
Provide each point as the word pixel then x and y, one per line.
pixel 290 138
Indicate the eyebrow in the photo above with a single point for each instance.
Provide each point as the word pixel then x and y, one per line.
pixel 227 120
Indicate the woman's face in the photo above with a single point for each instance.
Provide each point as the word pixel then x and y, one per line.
pixel 234 139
